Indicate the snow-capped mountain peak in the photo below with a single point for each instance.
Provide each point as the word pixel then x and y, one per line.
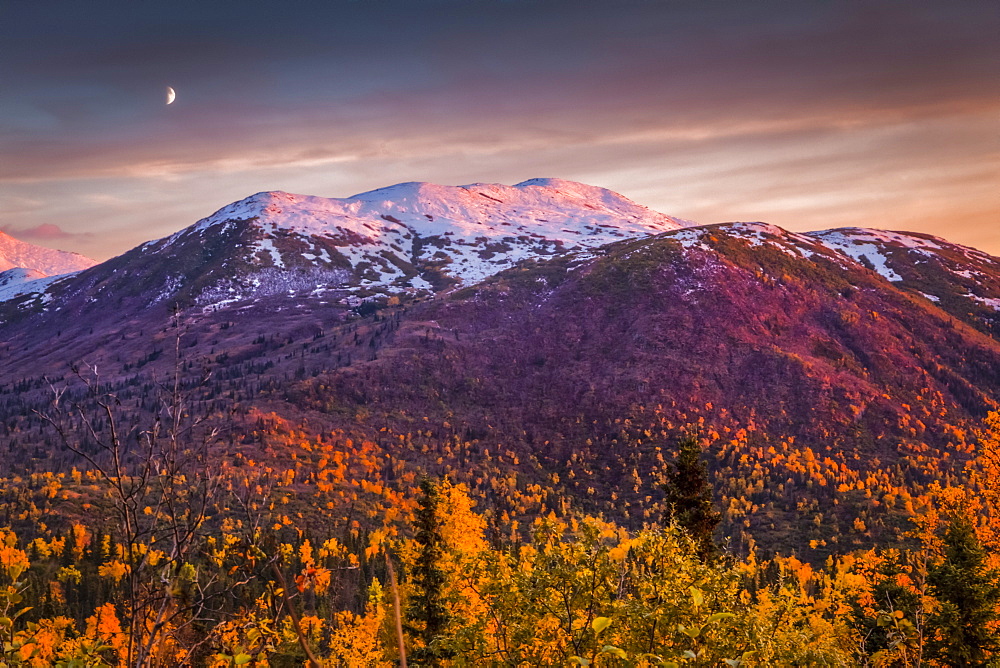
pixel 16 253
pixel 424 235
pixel 26 268
pixel 531 204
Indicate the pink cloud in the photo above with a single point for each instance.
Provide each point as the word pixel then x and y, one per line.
pixel 44 232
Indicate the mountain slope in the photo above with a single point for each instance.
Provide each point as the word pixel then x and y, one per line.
pixel 963 281
pixel 743 316
pixel 424 235
pixel 822 385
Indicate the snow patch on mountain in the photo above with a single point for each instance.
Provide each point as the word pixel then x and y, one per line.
pixel 266 246
pixel 992 302
pixel 18 282
pixel 759 234
pixel 19 275
pixel 878 247
pixel 268 282
pixel 851 236
pixel 868 247
pixel 756 234
pixel 690 238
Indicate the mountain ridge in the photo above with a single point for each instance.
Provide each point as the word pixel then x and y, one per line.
pixel 422 237
pixel 415 238
pixel 406 238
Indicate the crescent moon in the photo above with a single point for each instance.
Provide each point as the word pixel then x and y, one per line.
pixel 171 95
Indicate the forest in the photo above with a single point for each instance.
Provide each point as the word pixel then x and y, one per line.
pixel 329 552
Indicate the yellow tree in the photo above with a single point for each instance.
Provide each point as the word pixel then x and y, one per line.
pixel 984 479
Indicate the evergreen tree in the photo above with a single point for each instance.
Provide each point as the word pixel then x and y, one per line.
pixel 688 497
pixel 428 607
pixel 968 593
pixel 892 630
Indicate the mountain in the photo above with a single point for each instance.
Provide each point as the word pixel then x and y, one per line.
pixel 47 262
pixel 563 339
pixel 410 237
pixel 829 393
pixel 23 265
pixel 423 235
pixel 742 316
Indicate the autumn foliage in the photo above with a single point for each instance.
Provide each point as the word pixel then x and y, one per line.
pixel 289 563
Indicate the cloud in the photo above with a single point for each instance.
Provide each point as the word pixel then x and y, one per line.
pixel 809 113
pixel 45 232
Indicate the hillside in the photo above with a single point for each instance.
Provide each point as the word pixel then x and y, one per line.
pixel 828 393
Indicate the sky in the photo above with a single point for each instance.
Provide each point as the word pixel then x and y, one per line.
pixel 804 114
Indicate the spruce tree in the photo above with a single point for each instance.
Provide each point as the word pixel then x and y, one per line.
pixel 885 631
pixel 968 593
pixel 428 607
pixel 688 496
